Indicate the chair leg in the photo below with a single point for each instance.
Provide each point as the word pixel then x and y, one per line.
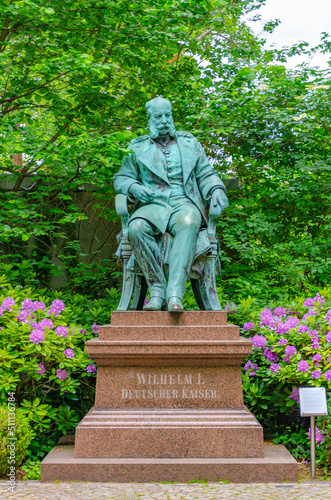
pixel 139 293
pixel 129 279
pixel 196 292
pixel 205 288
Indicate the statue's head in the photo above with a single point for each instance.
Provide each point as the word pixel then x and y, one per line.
pixel 160 119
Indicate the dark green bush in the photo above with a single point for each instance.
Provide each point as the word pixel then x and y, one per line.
pixel 18 435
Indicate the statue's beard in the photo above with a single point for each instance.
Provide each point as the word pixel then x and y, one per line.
pixel 154 132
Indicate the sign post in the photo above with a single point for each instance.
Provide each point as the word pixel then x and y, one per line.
pixel 312 404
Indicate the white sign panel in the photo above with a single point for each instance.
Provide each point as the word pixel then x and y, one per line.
pixel 312 401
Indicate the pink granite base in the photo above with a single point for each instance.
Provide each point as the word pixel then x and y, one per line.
pixel 169 406
pixel 169 387
pixel 169 433
pixel 276 466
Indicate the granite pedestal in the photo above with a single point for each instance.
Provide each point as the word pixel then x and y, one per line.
pixel 168 406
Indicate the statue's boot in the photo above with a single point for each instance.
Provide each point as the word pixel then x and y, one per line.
pixel 175 305
pixel 155 304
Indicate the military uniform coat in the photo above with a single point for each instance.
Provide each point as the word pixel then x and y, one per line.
pixel 147 165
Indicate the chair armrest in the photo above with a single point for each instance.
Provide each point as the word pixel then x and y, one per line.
pixel 121 207
pixel 212 219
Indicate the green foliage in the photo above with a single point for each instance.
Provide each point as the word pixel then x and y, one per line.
pixel 297 443
pixel 74 81
pixel 292 348
pixel 52 378
pixel 32 470
pixel 323 455
pixel 18 434
pixel 73 86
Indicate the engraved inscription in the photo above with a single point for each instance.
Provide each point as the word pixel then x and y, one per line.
pixel 151 386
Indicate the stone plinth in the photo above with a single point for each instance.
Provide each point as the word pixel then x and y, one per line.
pixel 168 388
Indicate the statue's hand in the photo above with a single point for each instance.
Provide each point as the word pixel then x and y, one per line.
pixel 141 193
pixel 219 202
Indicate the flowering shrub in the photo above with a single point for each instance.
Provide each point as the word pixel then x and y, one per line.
pixel 291 349
pixel 293 344
pixel 43 360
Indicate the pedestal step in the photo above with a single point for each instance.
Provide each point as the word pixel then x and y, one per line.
pixel 276 466
pixel 168 332
pixel 163 318
pixel 169 433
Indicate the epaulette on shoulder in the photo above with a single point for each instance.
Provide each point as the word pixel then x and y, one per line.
pixel 182 133
pixel 139 139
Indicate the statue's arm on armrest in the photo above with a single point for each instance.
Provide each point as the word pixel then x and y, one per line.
pixel 218 202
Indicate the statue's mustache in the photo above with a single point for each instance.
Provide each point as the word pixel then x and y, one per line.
pixel 154 131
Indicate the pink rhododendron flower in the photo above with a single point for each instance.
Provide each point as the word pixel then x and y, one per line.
pixel 274 368
pixel 25 316
pixel 26 304
pixel 313 333
pixel 266 317
pixel 328 337
pixel 291 322
pixel 37 336
pixel 69 353
pixel 303 328
pixel 61 331
pixel 8 303
pixel 95 328
pixel 317 357
pixel 46 323
pixel 259 341
pixel 328 315
pixel 280 311
pixel 57 306
pixel 328 375
pixel 290 350
pixel 318 300
pixel 38 305
pixel 232 308
pixel 295 394
pixel 286 359
pixel 41 369
pixel 309 314
pixel 282 341
pixel 248 326
pixel 303 366
pixel 61 374
pixel 270 355
pixel 309 302
pixel 251 368
pixel 316 374
pixel 319 436
pixel 91 369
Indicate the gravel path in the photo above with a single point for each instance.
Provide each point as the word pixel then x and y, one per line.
pixel 33 490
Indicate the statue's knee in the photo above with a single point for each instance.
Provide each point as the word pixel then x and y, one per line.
pixel 137 227
pixel 191 220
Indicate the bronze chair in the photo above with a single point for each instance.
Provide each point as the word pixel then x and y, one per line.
pixel 202 276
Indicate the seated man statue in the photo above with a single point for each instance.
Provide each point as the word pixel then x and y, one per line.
pixel 171 177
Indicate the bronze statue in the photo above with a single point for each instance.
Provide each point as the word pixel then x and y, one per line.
pixel 169 177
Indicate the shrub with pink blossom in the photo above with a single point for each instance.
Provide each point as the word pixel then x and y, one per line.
pixel 299 334
pixel 248 326
pixel 259 341
pixel 46 366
